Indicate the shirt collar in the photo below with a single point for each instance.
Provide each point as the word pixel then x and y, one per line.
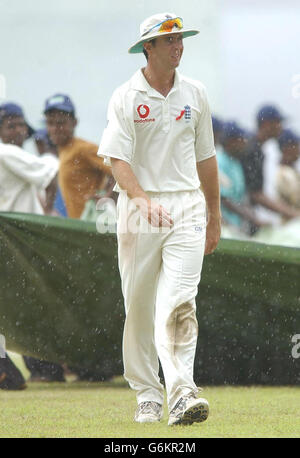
pixel 139 83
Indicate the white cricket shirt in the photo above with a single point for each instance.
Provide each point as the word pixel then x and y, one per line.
pixel 22 176
pixel 162 138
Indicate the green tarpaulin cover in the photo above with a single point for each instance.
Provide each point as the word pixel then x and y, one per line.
pixel 61 300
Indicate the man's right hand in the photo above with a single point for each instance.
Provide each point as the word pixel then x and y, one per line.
pixel 155 214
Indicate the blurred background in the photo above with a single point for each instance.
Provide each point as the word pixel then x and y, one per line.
pixel 247 54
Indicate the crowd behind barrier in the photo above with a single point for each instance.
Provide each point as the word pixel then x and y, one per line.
pixel 259 178
pixel 259 170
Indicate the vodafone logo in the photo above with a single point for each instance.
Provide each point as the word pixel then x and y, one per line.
pixel 143 111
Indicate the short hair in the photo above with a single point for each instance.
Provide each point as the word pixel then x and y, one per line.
pixel 145 53
pixel 144 50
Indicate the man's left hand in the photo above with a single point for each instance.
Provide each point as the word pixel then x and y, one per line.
pixel 213 234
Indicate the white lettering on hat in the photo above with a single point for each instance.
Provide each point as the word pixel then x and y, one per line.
pixel 56 99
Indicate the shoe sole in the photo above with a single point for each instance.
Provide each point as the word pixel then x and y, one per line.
pixel 195 413
pixel 147 420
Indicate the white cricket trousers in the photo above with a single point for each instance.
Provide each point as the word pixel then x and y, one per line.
pixel 160 271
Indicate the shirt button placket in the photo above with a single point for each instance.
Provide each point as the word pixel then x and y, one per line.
pixel 166 116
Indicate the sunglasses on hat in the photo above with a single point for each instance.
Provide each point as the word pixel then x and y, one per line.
pixel 167 25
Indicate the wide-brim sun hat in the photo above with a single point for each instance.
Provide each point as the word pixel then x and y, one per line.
pixel 159 25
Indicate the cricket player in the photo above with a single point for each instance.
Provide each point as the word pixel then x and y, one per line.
pixel 159 142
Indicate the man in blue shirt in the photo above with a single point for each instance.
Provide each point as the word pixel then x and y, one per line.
pixel 232 179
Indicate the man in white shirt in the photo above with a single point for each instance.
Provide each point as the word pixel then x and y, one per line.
pixel 22 177
pixel 14 130
pixel 159 141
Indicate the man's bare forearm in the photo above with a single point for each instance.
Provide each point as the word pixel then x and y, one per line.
pixel 242 210
pixel 209 179
pixel 50 196
pixel 275 205
pixel 126 179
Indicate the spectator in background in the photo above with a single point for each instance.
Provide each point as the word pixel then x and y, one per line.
pixel 22 176
pixel 288 177
pixel 235 209
pixel 43 142
pixel 14 130
pixel 44 145
pixel 81 172
pixel 269 125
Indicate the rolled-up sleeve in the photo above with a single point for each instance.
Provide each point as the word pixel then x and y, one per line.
pixel 117 139
pixel 204 138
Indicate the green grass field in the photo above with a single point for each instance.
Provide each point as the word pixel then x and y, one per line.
pixel 105 410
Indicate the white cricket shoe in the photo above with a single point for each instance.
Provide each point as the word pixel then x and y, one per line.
pixel 148 412
pixel 188 410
